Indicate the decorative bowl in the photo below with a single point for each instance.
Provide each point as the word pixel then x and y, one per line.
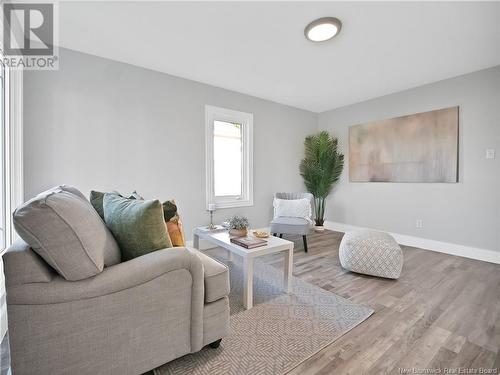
pixel 260 234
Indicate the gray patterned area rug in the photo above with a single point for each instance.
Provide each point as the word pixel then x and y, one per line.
pixel 278 333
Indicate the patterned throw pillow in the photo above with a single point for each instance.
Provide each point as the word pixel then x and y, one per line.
pixel 174 224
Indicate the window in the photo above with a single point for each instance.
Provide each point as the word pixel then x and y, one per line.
pixel 11 182
pixel 229 157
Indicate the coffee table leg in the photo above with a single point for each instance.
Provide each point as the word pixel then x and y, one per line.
pixel 247 283
pixel 196 241
pixel 288 269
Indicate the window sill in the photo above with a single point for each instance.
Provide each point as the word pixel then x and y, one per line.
pixel 231 204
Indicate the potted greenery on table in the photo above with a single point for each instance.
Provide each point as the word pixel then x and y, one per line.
pixel 321 169
pixel 238 226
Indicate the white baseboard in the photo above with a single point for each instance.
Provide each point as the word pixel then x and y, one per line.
pixel 427 244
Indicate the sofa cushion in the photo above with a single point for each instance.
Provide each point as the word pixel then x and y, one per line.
pixel 216 278
pixel 138 225
pixel 23 266
pixel 64 229
pixel 72 190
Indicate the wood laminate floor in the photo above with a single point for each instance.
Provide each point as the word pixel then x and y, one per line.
pixel 444 312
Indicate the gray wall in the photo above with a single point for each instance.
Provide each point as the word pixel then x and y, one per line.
pixel 466 213
pixel 101 124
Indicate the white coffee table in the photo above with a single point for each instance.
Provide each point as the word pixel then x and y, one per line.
pixel 274 245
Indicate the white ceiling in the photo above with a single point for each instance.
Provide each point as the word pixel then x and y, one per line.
pixel 258 48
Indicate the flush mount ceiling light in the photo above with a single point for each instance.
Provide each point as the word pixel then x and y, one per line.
pixel 322 29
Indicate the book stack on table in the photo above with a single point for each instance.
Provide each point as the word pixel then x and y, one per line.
pixel 248 242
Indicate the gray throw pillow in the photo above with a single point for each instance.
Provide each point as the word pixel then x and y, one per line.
pixel 63 228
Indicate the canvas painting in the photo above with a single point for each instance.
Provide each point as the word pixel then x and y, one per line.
pixel 422 147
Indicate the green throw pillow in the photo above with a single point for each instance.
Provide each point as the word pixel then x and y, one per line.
pixel 96 198
pixel 137 225
pixel 96 202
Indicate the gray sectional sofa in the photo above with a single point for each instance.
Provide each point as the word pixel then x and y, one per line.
pixel 127 318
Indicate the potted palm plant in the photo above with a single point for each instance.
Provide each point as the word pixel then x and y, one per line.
pixel 321 169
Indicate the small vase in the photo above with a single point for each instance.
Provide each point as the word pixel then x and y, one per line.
pixel 319 228
pixel 238 232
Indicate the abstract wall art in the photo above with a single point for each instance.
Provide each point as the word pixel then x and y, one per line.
pixel 422 147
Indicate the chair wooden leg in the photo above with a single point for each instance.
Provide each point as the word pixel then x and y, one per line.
pixel 281 235
pixel 305 243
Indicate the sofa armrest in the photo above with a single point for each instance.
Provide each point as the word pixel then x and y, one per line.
pixel 216 277
pixel 113 279
pixel 120 277
pixel 23 266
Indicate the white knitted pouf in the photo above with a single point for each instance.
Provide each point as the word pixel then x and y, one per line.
pixel 371 253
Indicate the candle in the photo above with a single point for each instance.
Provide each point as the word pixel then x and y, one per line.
pixel 211 206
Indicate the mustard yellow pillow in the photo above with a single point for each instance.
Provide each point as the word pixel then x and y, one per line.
pixel 174 223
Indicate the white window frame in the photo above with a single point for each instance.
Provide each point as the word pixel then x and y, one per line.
pixel 12 158
pixel 246 120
